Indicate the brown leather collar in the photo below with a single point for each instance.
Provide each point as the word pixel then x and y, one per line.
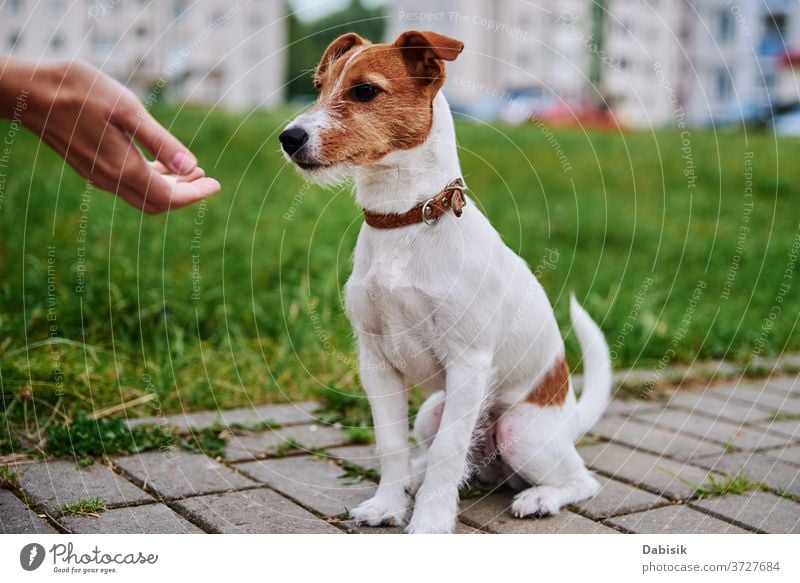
pixel 428 212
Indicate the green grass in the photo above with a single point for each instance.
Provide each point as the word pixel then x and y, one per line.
pixel 355 474
pixel 715 487
pixel 93 507
pixel 9 478
pixel 622 229
pixel 85 438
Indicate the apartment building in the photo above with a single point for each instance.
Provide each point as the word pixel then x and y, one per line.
pixel 509 46
pixel 203 51
pixel 654 62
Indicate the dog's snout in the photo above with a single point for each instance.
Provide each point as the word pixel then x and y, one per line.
pixel 293 139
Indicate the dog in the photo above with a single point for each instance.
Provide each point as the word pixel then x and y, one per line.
pixel 438 300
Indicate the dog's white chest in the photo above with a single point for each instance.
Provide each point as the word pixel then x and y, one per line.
pixel 387 306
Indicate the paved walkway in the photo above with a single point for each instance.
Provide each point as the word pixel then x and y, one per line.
pixel 649 455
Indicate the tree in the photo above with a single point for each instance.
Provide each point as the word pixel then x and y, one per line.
pixel 309 39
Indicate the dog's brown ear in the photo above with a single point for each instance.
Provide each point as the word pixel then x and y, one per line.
pixel 424 51
pixel 335 50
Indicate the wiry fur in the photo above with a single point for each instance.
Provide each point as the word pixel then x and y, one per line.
pixel 448 307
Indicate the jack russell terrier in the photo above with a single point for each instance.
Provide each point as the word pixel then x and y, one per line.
pixel 439 301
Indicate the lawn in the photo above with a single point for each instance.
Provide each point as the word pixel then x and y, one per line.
pixel 681 247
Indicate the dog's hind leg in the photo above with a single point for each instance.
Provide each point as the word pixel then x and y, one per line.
pixel 386 391
pixel 426 425
pixel 537 442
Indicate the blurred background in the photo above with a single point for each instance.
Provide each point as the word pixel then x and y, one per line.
pixel 632 62
pixel 640 153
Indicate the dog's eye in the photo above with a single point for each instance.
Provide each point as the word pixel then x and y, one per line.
pixel 364 92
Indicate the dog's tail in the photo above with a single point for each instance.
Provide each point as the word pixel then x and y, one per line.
pixel 596 366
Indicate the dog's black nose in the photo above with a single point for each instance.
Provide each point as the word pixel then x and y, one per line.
pixel 293 139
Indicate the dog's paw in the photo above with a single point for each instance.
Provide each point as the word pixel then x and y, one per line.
pixel 538 501
pixel 381 511
pixel 434 514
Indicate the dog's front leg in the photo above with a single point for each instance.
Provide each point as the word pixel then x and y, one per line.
pixel 386 391
pixel 466 385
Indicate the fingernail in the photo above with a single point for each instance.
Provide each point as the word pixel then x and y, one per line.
pixel 183 163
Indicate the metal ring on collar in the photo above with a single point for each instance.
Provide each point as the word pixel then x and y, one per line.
pixel 426 211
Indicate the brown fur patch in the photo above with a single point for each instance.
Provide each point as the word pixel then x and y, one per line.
pixel 398 118
pixel 552 390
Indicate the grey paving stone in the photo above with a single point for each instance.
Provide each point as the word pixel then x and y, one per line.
pixel 627 406
pixel 253 446
pixel 669 478
pixel 146 519
pixel 756 394
pixel 644 436
pixel 177 473
pixel 17 518
pixel 790 428
pixel 617 498
pixel 53 483
pixel 718 430
pixel 360 455
pixel 760 510
pixel 356 528
pixel 493 513
pixel 252 511
pixel 676 519
pixel 788 386
pixel 701 403
pixel 789 455
pixel 757 466
pixel 314 483
pixel 285 414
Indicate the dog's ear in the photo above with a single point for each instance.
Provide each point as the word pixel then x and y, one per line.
pixel 335 50
pixel 424 51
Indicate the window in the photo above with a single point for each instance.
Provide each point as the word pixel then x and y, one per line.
pixel 179 8
pixel 722 84
pixel 102 44
pixel 56 43
pixel 14 40
pixel 725 26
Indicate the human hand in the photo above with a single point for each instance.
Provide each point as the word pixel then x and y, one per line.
pixel 92 122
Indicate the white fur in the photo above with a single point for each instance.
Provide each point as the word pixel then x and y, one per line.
pixel 451 308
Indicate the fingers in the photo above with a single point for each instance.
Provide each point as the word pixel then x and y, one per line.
pixel 170 193
pixel 164 171
pixel 166 148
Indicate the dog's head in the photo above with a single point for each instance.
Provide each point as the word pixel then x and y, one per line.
pixel 373 99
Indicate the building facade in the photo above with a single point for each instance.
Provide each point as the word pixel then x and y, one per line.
pixel 203 51
pixel 653 62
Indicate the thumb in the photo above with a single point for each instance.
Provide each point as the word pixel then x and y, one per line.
pixel 164 147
